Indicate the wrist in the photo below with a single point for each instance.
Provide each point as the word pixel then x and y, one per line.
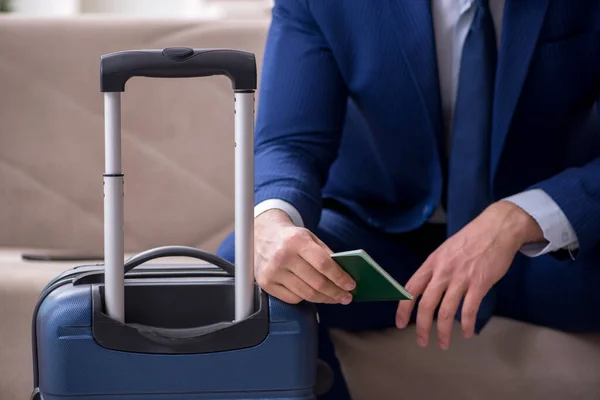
pixel 275 215
pixel 519 225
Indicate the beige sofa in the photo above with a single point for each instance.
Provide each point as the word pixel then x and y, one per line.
pixel 178 156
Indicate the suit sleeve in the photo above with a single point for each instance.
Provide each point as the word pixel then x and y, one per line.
pixel 302 102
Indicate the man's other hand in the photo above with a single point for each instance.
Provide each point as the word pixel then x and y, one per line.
pixel 292 264
pixel 468 264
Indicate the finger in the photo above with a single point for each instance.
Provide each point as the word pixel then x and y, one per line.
pixel 473 300
pixel 415 286
pixel 321 260
pixel 319 282
pixel 447 312
pixel 301 289
pixel 282 293
pixel 427 306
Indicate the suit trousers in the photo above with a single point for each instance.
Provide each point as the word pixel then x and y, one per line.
pixel 542 301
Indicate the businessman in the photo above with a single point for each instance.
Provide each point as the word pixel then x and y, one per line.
pixel 456 141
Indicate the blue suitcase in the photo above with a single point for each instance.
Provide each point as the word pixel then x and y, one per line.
pixel 129 330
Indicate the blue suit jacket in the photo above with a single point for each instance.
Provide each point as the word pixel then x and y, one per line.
pixel 350 109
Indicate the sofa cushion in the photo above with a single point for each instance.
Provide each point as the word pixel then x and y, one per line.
pixel 508 360
pixel 177 134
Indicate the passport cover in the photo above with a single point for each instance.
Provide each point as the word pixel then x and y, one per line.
pixel 373 283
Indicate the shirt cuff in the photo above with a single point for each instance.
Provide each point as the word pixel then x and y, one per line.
pixel 282 205
pixel 557 229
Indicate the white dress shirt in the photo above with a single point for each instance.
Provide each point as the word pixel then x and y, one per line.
pixel 452 19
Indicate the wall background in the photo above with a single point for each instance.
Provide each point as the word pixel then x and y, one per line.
pixel 144 8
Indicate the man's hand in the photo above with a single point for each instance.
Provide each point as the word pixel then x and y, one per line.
pixel 467 265
pixel 292 264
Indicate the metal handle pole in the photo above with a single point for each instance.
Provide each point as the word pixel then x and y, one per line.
pixel 114 253
pixel 244 204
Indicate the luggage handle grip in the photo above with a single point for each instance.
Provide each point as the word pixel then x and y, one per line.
pixel 179 251
pixel 178 62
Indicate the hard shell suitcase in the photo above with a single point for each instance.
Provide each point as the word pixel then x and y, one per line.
pixel 124 330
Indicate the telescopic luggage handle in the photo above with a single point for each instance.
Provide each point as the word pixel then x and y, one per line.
pixel 179 62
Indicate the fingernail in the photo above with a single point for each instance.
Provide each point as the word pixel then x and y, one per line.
pixel 421 341
pixel 346 300
pixel 443 345
pixel 350 286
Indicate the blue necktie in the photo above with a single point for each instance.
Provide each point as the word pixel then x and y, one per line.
pixel 468 167
pixel 468 178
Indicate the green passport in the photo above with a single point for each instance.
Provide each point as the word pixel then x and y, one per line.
pixel 373 283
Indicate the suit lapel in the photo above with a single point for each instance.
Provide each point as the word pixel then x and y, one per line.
pixel 416 40
pixel 520 31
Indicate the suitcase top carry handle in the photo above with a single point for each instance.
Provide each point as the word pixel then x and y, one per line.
pixel 179 251
pixel 177 62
